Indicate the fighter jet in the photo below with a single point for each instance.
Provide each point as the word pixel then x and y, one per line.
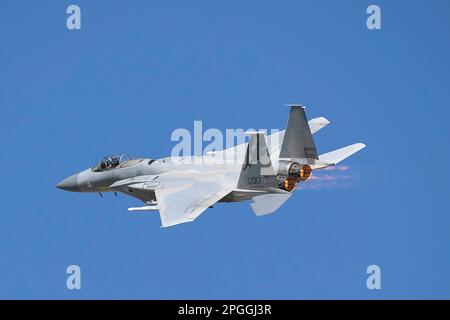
pixel 265 170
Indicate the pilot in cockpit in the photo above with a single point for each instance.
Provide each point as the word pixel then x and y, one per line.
pixel 114 162
pixel 103 164
pixel 110 162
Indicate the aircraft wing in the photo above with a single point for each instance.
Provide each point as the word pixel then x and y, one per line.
pixel 183 196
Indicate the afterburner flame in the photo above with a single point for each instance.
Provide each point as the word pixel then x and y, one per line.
pixel 305 172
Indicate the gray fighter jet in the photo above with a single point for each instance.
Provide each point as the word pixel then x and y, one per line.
pixel 181 188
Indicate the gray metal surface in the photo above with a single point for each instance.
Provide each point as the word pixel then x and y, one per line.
pixel 298 141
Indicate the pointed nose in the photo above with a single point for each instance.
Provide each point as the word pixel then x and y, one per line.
pixel 69 184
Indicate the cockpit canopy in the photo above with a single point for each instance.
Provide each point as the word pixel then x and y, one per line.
pixel 110 162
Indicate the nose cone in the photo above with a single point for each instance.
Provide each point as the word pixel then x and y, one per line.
pixel 69 184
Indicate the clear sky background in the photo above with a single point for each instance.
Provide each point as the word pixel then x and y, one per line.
pixel 137 70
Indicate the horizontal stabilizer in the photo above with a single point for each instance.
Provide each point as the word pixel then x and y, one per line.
pixel 336 156
pixel 317 123
pixel 268 203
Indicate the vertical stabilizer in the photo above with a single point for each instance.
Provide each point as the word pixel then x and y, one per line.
pixel 257 171
pixel 298 141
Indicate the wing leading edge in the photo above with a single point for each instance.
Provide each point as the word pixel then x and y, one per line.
pixel 183 196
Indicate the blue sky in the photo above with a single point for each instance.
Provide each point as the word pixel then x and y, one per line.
pixel 137 70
